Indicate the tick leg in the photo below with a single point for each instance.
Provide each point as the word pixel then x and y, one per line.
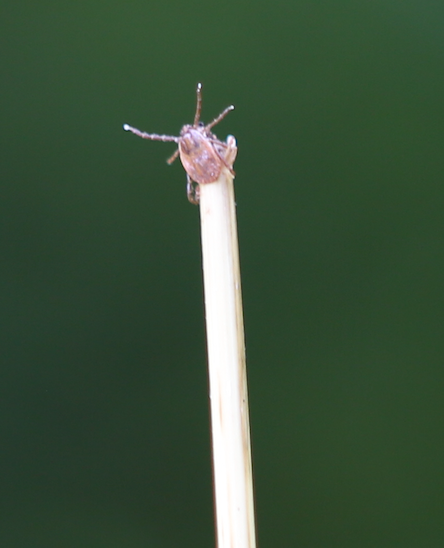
pixel 222 159
pixel 219 118
pixel 152 136
pixel 231 150
pixel 192 191
pixel 198 105
pixel 173 157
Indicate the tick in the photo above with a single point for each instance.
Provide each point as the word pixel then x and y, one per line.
pixel 202 155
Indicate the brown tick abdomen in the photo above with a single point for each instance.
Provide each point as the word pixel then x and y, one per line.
pixel 198 156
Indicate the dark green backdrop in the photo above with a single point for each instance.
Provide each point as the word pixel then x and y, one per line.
pixel 103 400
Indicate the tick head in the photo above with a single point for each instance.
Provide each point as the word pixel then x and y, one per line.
pixel 186 129
pixel 190 140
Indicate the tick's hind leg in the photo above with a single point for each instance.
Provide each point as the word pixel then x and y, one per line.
pixel 173 157
pixel 220 149
pixel 193 191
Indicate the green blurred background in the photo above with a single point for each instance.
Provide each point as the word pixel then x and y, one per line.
pixel 104 438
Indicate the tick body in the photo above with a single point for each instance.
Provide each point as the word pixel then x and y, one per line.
pixel 202 155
